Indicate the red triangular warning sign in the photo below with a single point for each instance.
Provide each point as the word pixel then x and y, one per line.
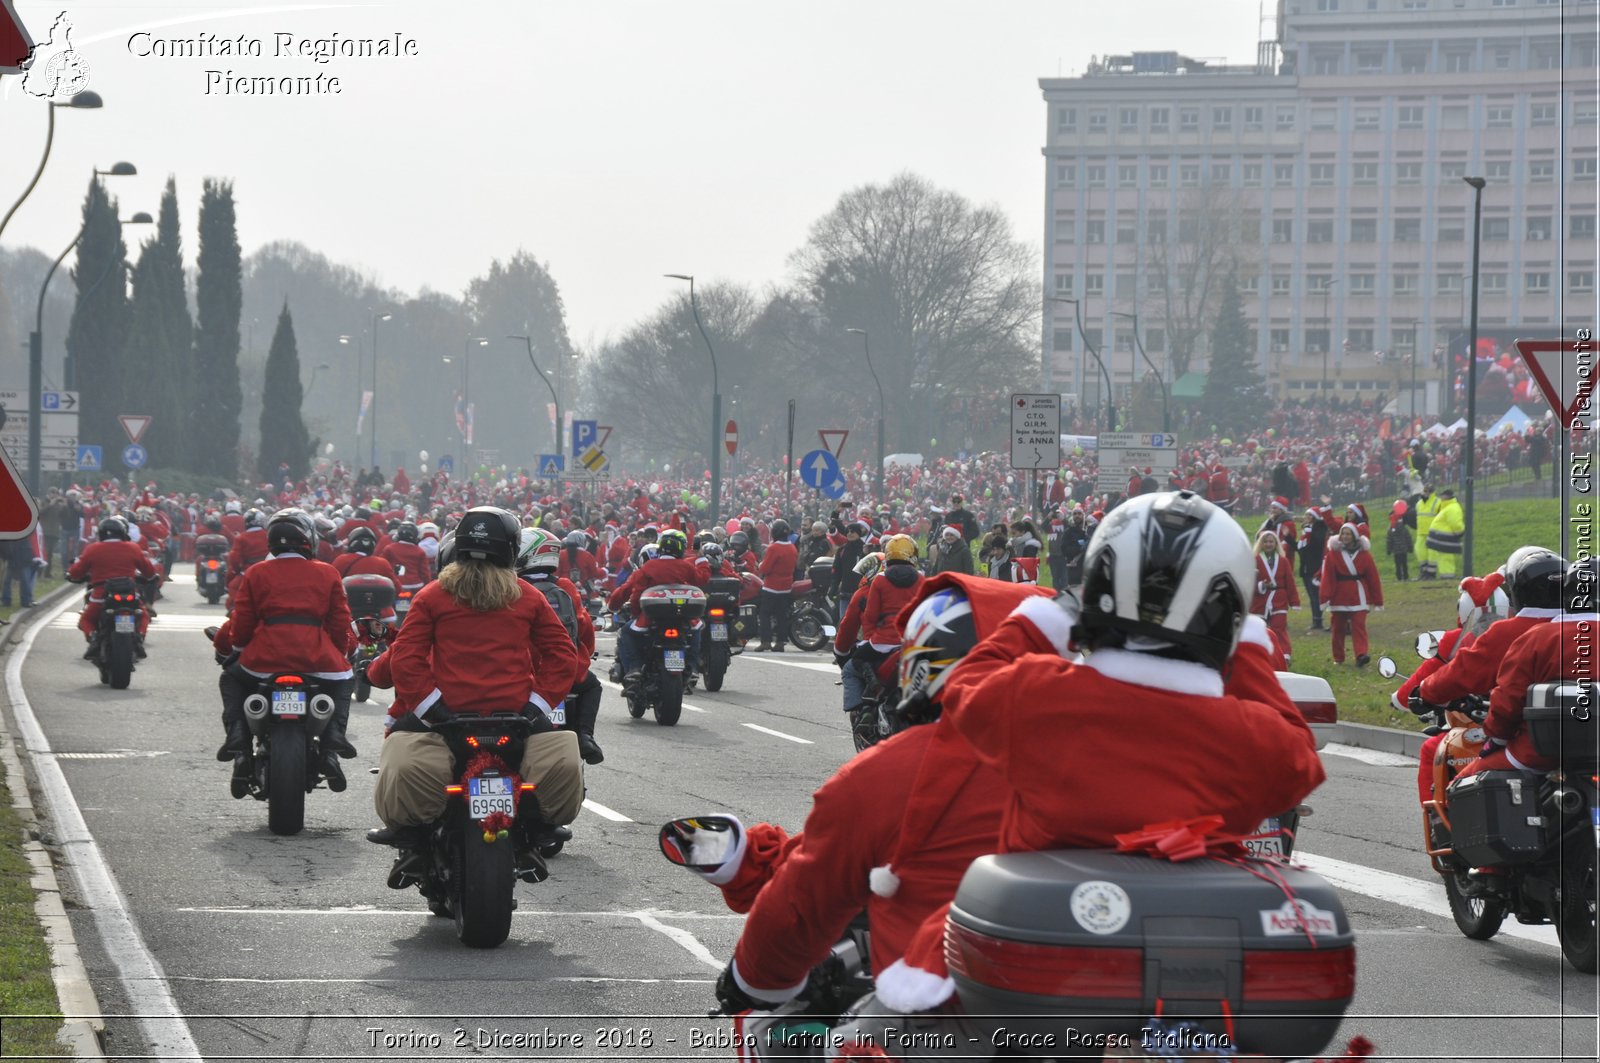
pixel 134 424
pixel 1564 371
pixel 15 44
pixel 18 513
pixel 833 439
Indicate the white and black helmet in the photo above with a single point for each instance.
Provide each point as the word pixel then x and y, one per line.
pixel 1167 568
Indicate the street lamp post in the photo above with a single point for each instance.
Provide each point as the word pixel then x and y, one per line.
pixel 356 451
pixel 716 402
pixel 1468 470
pixel 83 101
pixel 466 380
pixel 555 398
pixel 1327 341
pixel 1166 416
pixel 318 368
pixel 866 347
pixel 1083 337
pixel 376 317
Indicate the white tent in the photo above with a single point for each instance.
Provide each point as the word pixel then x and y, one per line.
pixel 910 460
pixel 1514 420
pixel 1436 429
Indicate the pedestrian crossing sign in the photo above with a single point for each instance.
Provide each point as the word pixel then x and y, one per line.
pixel 551 464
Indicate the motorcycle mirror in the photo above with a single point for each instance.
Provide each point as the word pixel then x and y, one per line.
pixel 1386 667
pixel 1428 645
pixel 700 843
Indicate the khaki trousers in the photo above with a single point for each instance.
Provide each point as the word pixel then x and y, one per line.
pixel 414 769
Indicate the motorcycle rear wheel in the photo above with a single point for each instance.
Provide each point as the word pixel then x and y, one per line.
pixel 363 687
pixel 1479 918
pixel 1575 926
pixel 864 727
pixel 119 660
pixel 213 595
pixel 286 782
pixel 669 698
pixel 485 881
pixel 714 675
pixel 805 629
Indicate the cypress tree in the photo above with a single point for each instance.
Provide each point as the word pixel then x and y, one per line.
pixel 1235 392
pixel 172 363
pixel 283 433
pixel 217 396
pixel 148 389
pixel 96 335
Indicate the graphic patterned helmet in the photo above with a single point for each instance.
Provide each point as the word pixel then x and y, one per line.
pixel 899 548
pixel 647 552
pixel 292 531
pixel 1171 568
pixel 538 551
pixel 673 543
pixel 713 554
pixel 362 541
pixel 488 533
pixel 940 632
pixel 255 519
pixel 869 565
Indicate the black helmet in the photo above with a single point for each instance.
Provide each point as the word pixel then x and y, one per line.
pixel 779 529
pixel 255 519
pixel 673 543
pixel 447 550
pixel 487 533
pixel 1579 586
pixel 213 523
pixel 407 532
pixel 292 531
pixel 113 528
pixel 1533 581
pixel 739 543
pixel 362 541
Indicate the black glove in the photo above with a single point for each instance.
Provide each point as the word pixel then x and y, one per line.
pixel 436 714
pixel 538 722
pixel 1417 706
pixel 735 1000
pixel 840 659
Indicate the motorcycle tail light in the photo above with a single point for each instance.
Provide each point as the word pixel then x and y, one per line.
pixel 284 680
pixel 472 740
pixel 1044 970
pixel 529 787
pixel 211 565
pixel 671 633
pixel 1309 974
pixel 1318 711
pixel 455 788
pixel 502 740
pixel 719 612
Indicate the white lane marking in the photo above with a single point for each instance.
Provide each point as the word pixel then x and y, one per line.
pixel 618 689
pixel 778 734
pixel 678 934
pixel 1369 756
pixel 163 623
pixel 812 666
pixel 121 754
pixel 1404 890
pixel 417 913
pixel 605 813
pixel 143 981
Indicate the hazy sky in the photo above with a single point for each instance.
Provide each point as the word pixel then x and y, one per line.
pixel 615 139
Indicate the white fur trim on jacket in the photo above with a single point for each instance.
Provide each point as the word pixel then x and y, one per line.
pixel 1255 633
pixel 771 996
pixel 1159 673
pixel 730 867
pixel 1053 622
pixel 907 988
pixel 883 881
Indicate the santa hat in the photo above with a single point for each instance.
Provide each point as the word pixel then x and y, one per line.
pixel 1279 502
pixel 948 761
pixel 1481 588
pixel 1357 512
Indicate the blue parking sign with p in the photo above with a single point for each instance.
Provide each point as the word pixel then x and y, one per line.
pixel 584 434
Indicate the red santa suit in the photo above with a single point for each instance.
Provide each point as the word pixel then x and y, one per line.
pixel 249 547
pixel 1450 643
pixel 849 634
pixel 412 559
pixel 1560 649
pixel 890 592
pixel 290 613
pixel 1349 586
pixel 232 526
pixel 1066 734
pixel 656 572
pixel 1275 594
pixel 108 560
pixel 578 566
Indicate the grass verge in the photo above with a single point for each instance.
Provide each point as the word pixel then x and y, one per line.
pixel 41 587
pixel 27 992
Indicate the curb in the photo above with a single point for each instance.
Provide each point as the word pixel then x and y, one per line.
pixel 81 1032
pixel 1381 739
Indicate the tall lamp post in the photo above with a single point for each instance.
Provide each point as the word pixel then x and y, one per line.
pixel 866 347
pixel 716 401
pixel 1083 337
pixel 356 452
pixel 1468 469
pixel 83 101
pixel 466 377
pixel 1166 414
pixel 376 317
pixel 546 378
pixel 1327 324
pixel 320 367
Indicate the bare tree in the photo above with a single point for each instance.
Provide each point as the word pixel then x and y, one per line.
pixel 1188 268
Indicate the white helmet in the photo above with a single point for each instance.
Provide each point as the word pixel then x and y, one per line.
pixel 1167 570
pixel 232 506
pixel 428 529
pixel 1475 617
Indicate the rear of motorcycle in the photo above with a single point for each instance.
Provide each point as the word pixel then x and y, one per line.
pixel 211 566
pixel 720 641
pixel 118 636
pixel 286 716
pixel 371 597
pixel 671 610
pixel 811 625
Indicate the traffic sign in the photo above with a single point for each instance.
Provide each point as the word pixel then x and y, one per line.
pixel 1564 371
pixel 730 436
pixel 1036 431
pixel 134 456
pixel 63 401
pixel 1118 453
pixel 134 425
pixel 583 435
pixel 837 435
pixel 90 458
pixel 819 471
pixel 18 513
pixel 594 459
pixel 551 464
pixel 15 43
pixel 447 464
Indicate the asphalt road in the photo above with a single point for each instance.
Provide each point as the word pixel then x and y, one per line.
pixel 277 948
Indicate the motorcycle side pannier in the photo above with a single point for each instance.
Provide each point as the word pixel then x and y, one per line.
pixel 370 595
pixel 1495 818
pixel 1152 955
pixel 673 601
pixel 1561 721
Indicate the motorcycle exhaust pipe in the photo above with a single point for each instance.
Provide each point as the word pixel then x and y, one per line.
pixel 321 708
pixel 255 712
pixel 1567 802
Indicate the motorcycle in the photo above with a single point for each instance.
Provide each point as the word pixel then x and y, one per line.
pixel 211 566
pixel 1542 833
pixel 466 869
pixel 811 625
pixel 672 610
pixel 286 715
pixel 720 640
pixel 116 638
pixel 371 597
pixel 402 599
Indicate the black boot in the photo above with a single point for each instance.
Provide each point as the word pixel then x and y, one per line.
pixel 138 647
pixel 332 773
pixel 589 749
pixel 237 743
pixel 243 771
pixel 93 649
pixel 334 741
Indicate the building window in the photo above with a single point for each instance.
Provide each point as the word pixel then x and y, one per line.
pixel 1542 171
pixel 1066 174
pixel 1252 174
pixel 1255 119
pixel 1493 283
pixel 1127 176
pixel 1369 62
pixel 1062 340
pixel 1285 118
pixel 1327 5
pixel 1408 230
pixel 1063 284
pixel 1125 285
pixel 1158 175
pixel 1315 282
pixel 1581 226
pixel 1535 281
pixel 1319 232
pixel 1448 283
pixel 1222 173
pixel 1498 171
pixel 1405 284
pixel 1094 231
pixel 1458 62
pixel 1127 231
pixel 1189 175
pixel 1097 176
pixel 1097 121
pixel 1364 173
pixel 1542 114
pixel 1283 173
pixel 1413 5
pixel 1580 280
pixel 1158 119
pixel 1450 171
pixel 1156 230
pixel 1249 229
pixel 1502 3
pixel 1408 173
pixel 1250 285
pixel 1066 230
pixel 1283 230
pixel 1585 112
pixel 1095 284
pixel 1316 340
pixel 1583 169
pixel 1498 115
pixel 1221 117
pixel 1413 62
pixel 1362 283
pixel 1280 284
pixel 1188 231
pixel 1325 64
pixel 1155 340
pixel 1359 340
pixel 1539 227
pixel 1501 58
pixel 1363 230
pixel 1324 118
pixel 1496 230
pixel 1452 231
pixel 1409 116
pixel 1547 57
pixel 1188 119
pixel 1453 116
pixel 1322 173
pixel 1066 119
pixel 1128 119
pixel 1367 117
pixel 1155 281
pixel 1279 339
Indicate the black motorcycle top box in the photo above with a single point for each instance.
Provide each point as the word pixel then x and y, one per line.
pixel 1495 818
pixel 1101 944
pixel 370 595
pixel 1561 721
pixel 673 601
pixel 724 587
pixel 820 574
pixel 211 546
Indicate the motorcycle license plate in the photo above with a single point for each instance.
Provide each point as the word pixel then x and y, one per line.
pixel 1272 846
pixel 125 623
pixel 558 715
pixel 211 577
pixel 673 659
pixel 288 703
pixel 719 632
pixel 488 794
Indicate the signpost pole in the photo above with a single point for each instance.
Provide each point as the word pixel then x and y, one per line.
pixel 35 410
pixel 788 476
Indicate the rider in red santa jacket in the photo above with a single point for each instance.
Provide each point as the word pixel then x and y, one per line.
pixel 358 559
pixel 671 566
pixel 405 553
pixel 1533 590
pixel 890 593
pixel 249 547
pixel 1064 734
pixel 577 564
pixel 113 557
